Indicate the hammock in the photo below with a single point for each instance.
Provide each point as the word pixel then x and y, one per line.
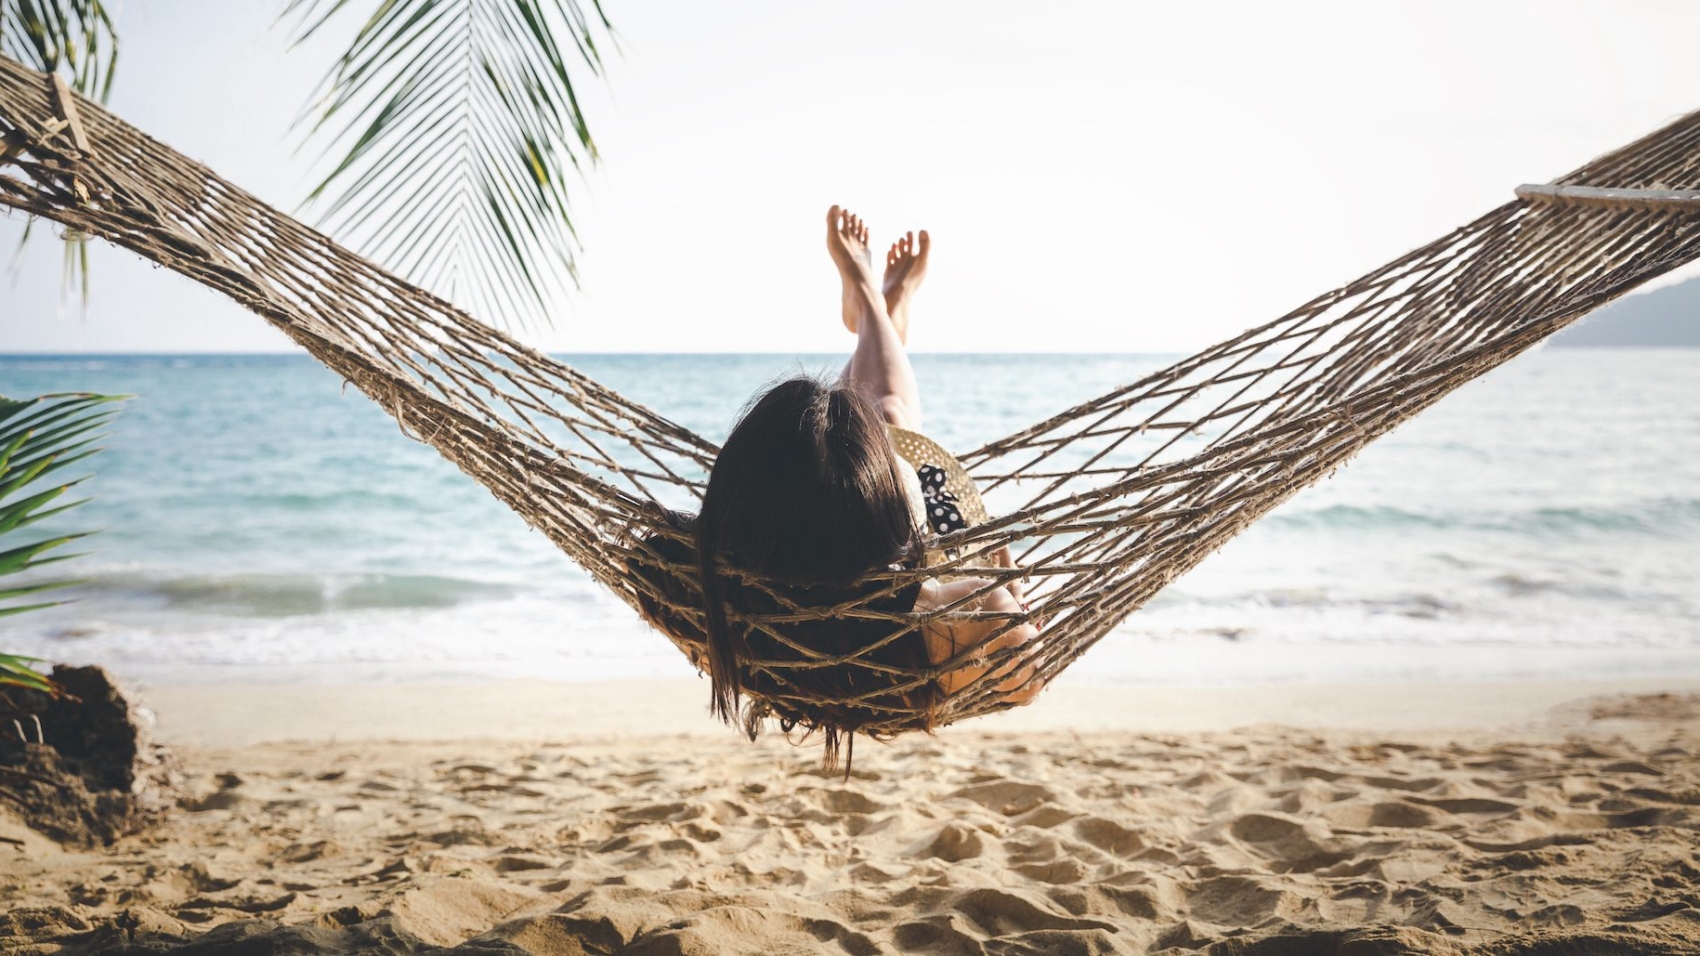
pixel 1101 505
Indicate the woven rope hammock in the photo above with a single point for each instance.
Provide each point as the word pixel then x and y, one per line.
pixel 1101 505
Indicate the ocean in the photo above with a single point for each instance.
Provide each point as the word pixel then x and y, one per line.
pixel 259 523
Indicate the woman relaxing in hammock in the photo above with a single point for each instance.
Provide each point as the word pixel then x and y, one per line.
pixel 818 485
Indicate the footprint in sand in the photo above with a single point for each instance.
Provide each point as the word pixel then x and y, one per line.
pixel 1006 796
pixel 953 843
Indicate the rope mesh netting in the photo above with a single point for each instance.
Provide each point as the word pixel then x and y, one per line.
pixel 1101 505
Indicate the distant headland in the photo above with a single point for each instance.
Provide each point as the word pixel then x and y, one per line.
pixel 1663 318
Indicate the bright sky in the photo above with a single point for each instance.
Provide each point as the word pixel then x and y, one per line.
pixel 1097 176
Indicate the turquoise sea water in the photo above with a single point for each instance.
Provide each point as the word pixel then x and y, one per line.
pixel 257 520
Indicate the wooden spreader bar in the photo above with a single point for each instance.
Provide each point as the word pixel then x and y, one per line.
pixel 1604 196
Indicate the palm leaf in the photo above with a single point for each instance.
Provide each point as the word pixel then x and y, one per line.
pixel 15 671
pixel 77 38
pixel 39 437
pixel 455 125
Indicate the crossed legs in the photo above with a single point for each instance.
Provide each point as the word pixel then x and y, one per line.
pixel 880 367
pixel 879 316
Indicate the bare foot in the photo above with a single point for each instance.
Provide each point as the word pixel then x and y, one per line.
pixel 905 267
pixel 847 241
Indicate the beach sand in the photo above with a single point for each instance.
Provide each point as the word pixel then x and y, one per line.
pixel 527 817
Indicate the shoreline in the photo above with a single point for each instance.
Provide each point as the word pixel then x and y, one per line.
pixel 1122 660
pixel 235 715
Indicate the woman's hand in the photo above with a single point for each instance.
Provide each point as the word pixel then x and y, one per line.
pixel 1012 678
pixel 1002 559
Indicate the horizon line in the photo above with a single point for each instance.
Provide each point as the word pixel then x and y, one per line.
pixel 306 355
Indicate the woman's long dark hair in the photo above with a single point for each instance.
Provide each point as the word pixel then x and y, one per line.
pixel 805 494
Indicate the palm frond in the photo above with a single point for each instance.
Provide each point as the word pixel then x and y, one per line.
pixel 455 126
pixel 15 671
pixel 39 438
pixel 77 38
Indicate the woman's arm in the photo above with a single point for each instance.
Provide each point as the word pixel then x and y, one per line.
pixel 946 640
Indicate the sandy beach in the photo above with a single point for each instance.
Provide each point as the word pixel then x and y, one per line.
pixel 529 817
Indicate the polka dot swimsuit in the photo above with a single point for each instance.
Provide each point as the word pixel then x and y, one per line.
pixel 943 516
pixel 943 497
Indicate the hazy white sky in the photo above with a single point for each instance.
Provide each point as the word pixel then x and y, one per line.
pixel 1097 176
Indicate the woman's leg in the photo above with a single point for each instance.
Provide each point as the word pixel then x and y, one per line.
pixel 905 267
pixel 880 364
